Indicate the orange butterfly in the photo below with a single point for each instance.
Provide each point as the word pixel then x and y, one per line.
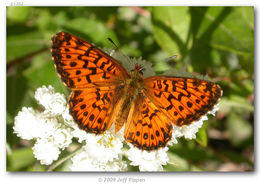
pixel 104 93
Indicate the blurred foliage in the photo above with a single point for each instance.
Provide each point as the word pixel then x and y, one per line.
pixel 217 41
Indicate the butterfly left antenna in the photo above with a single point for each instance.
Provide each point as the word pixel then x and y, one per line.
pixel 109 39
pixel 117 48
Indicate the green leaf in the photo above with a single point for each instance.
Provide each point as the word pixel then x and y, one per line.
pixel 16 91
pixel 23 42
pixel 227 28
pixel 237 29
pixel 17 13
pixel 11 138
pixel 19 159
pixel 90 30
pixel 235 102
pixel 176 163
pixel 49 24
pixel 170 28
pixel 42 72
pixel 202 29
pixel 202 137
pixel 240 130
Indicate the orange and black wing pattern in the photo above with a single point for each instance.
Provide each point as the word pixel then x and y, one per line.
pixel 182 100
pixel 94 78
pixel 81 64
pixel 147 128
pixel 94 109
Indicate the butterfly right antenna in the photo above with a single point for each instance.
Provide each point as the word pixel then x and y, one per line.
pixel 171 58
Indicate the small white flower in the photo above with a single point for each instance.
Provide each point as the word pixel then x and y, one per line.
pixel 100 153
pixel 148 161
pixel 26 124
pixel 116 165
pixel 62 138
pixel 45 151
pixel 82 162
pixel 67 118
pixel 104 147
pixel 80 134
pixel 54 103
pixel 29 124
pixel 189 132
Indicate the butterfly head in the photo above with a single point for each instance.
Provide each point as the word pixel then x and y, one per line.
pixel 137 71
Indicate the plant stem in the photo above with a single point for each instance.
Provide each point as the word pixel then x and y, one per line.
pixel 59 162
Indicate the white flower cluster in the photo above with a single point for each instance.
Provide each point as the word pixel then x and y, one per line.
pixel 101 153
pixel 50 135
pixel 148 161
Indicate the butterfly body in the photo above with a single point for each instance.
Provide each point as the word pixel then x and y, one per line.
pixel 104 93
pixel 132 86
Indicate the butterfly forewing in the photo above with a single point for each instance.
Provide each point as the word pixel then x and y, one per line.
pixel 81 65
pixel 182 100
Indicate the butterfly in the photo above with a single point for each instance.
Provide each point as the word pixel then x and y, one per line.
pixel 105 94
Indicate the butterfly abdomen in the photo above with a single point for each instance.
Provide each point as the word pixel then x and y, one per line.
pixel 130 92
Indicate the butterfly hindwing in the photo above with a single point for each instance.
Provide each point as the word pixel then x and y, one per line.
pixel 93 109
pixel 147 127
